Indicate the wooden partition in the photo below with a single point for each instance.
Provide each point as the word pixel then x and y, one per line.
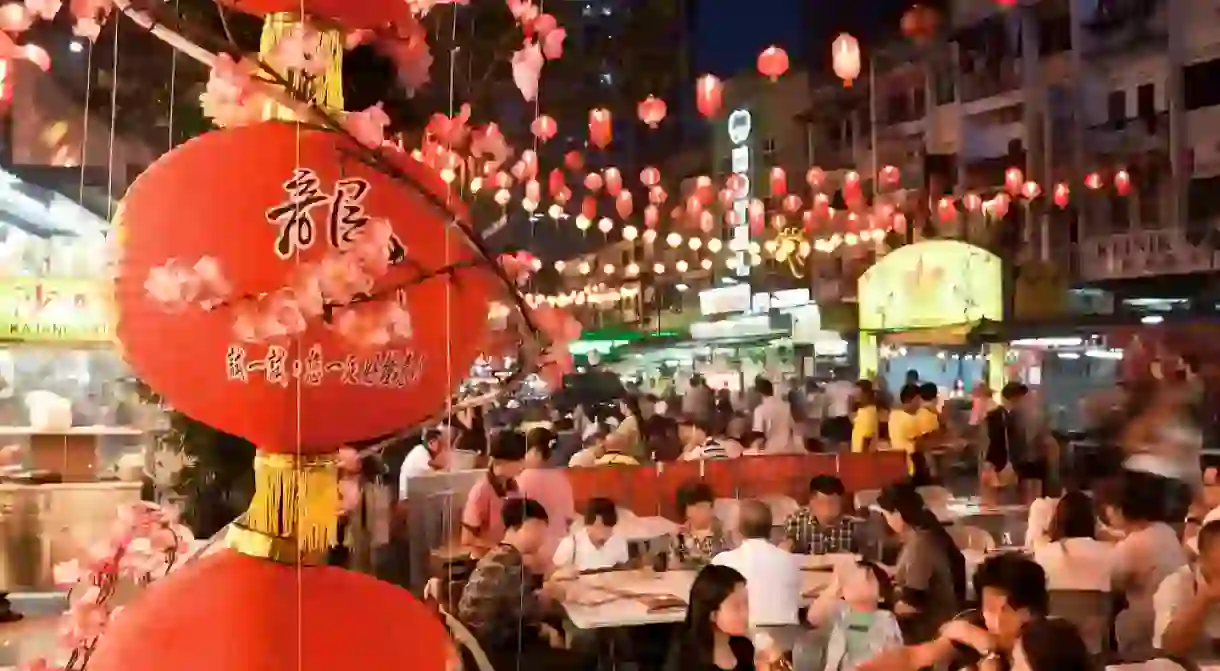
pixel 649 490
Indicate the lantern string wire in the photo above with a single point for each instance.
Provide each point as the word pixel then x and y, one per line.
pixel 84 144
pixel 114 118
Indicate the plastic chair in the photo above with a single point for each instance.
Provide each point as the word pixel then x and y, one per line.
pixel 1091 611
pixel 468 645
pixel 866 498
pixel 971 538
pixel 782 507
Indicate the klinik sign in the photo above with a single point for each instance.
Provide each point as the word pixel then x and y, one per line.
pixel 740 124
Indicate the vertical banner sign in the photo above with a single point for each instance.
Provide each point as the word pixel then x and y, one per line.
pixel 740 125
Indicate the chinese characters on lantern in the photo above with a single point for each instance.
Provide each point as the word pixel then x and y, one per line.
pixel 345 215
pixel 393 368
pixel 740 126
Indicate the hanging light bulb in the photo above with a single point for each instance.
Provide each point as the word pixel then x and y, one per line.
pixel 658 268
pixel 714 245
pixel 633 270
pixel 706 264
pixel 559 266
pixel 649 236
pixel 608 269
pixel 605 225
pixel 673 240
pixel 555 211
pixel 585 268
pixel 682 266
pixel 630 233
pixel 694 244
pixel 582 222
pixel 502 197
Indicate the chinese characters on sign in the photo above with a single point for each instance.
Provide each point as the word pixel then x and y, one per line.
pixel 345 218
pixel 389 369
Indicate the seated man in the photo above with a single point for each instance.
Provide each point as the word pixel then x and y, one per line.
pixel 499 604
pixel 1187 603
pixel 773 575
pixel 821 527
pixel 1012 591
pixel 595 546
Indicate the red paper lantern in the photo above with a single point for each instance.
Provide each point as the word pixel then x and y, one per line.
pixel 652 111
pixel 1062 195
pixel 709 95
pixel 544 128
pixel 773 63
pixel 920 23
pixel 614 181
pixel 778 182
pixel 252 614
pixel 593 182
pixel 573 160
pixel 1122 182
pixel 363 15
pixel 623 204
pixel 600 128
pixel 235 292
pixel 650 176
pixel 1014 180
pixel 1092 181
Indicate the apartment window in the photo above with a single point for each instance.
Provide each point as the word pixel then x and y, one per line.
pixel 1145 101
pixel 1199 84
pixel 1116 106
pixel 1148 196
pixel 1120 213
pixel 768 151
pixel 1203 199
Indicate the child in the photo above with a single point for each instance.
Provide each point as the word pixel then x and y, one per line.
pixel 594 547
pixel 855 607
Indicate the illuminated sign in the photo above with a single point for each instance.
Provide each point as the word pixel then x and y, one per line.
pixel 54 310
pixel 931 285
pixel 724 300
pixel 740 124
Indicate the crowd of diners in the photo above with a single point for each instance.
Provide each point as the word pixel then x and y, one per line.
pixel 1125 571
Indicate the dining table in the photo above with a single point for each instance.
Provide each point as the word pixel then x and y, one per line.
pixel 638 597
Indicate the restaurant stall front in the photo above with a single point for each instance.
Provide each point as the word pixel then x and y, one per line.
pixel 68 410
pixel 918 306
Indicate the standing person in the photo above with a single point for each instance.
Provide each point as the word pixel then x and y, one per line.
pixel 1005 439
pixel 716 633
pixel 815 408
pixel 773 419
pixel 836 422
pixel 548 486
pixel 864 421
pixel 698 401
pixel 482 529
pixel 903 429
pixel 629 434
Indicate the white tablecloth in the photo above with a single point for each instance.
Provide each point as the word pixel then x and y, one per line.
pixel 629 612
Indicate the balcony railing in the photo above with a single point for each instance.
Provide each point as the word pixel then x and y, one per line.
pixel 1127 136
pixel 990 81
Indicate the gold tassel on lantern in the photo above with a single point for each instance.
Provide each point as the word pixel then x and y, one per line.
pixel 324 89
pixel 294 515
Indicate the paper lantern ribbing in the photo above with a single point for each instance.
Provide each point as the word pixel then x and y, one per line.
pixel 233 612
pixel 239 301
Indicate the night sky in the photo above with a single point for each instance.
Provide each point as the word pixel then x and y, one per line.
pixel 730 34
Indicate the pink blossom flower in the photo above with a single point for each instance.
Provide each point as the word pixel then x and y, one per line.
pixel 340 278
pixel 39 665
pixel 356 38
pixel 552 44
pixel 524 11
pixel 517 266
pixel 368 125
pixel 84 621
pixel 299 49
pixel 411 57
pixel 527 70
pixel 228 99
pixel 450 131
pixel 170 285
pixel 398 321
pixel 488 141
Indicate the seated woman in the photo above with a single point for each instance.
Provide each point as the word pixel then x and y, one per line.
pixel 1051 644
pixel 930 576
pixel 716 633
pixel 700 537
pixel 1072 556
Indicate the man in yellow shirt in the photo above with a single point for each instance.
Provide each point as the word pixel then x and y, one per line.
pixel 927 427
pixel 904 428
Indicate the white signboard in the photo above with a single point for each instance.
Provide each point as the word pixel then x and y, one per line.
pixel 1144 254
pixel 735 328
pixel 725 300
pixel 740 125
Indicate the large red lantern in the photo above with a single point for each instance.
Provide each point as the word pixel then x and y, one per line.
pixel 363 15
pixel 709 95
pixel 920 23
pixel 773 63
pixel 269 279
pixel 229 611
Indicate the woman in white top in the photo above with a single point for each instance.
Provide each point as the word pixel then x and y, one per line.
pixel 1070 554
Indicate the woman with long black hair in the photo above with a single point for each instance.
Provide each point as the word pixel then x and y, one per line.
pixel 716 633
pixel 930 577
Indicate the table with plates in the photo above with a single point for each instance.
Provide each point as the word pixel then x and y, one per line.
pixel 642 597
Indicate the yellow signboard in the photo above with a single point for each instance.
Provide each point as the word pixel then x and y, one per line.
pixel 49 309
pixel 931 284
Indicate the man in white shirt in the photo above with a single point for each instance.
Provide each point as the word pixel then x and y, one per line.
pixel 1187 602
pixel 773 419
pixel 434 455
pixel 594 546
pixel 836 422
pixel 773 575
